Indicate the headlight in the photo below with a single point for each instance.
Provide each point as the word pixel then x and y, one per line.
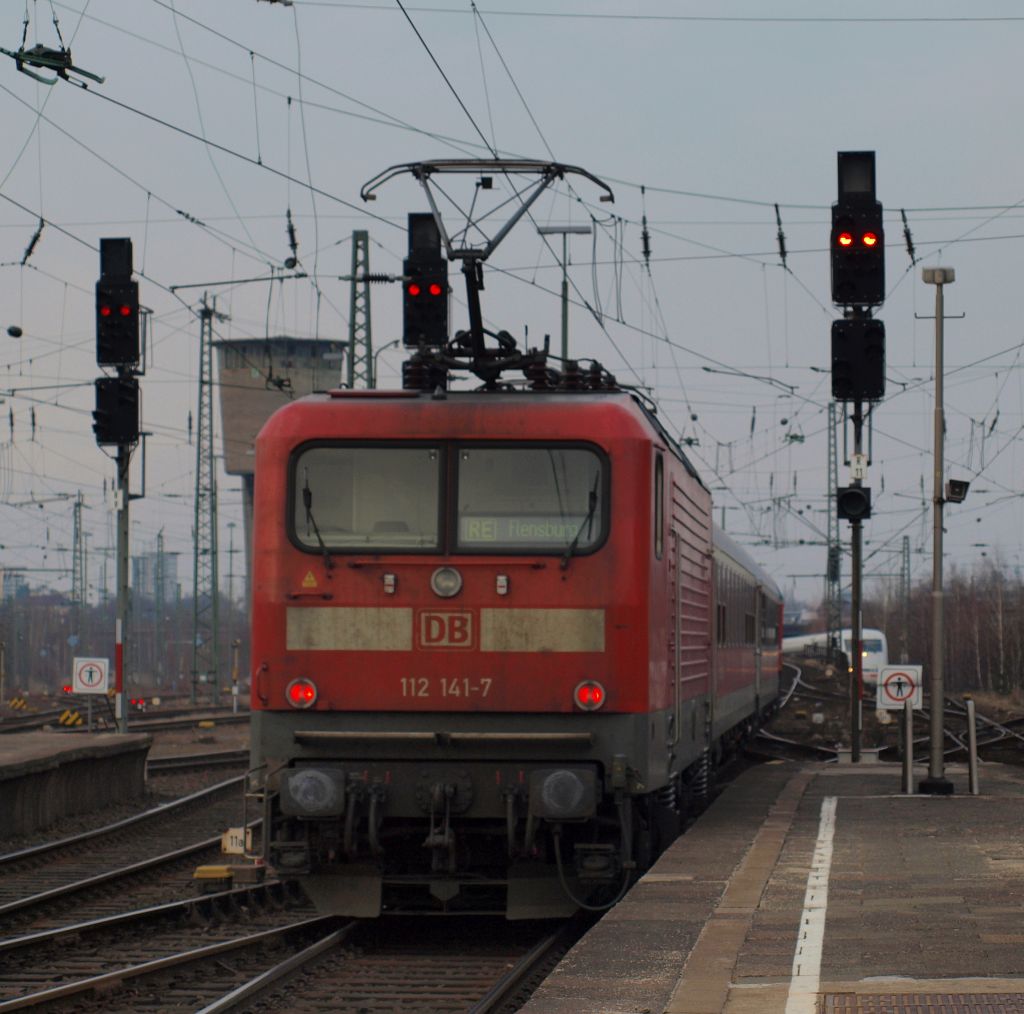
pixel 446 582
pixel 563 793
pixel 313 792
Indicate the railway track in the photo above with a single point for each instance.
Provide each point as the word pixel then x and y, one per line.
pixel 235 951
pixel 1003 741
pixel 197 762
pixel 182 980
pixel 39 961
pixel 482 966
pixel 140 860
pixel 174 718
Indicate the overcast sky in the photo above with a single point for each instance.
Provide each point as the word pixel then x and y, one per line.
pixel 719 111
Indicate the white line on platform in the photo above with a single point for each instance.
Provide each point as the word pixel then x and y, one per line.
pixel 806 976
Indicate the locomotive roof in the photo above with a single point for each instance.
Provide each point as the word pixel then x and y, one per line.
pixel 568 399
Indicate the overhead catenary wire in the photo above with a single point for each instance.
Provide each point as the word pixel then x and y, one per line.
pixel 447 81
pixel 614 260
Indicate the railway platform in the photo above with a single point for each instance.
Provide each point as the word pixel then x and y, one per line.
pixel 48 775
pixel 819 889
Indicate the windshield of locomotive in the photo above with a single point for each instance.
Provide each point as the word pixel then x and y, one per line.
pixel 373 498
pixel 523 499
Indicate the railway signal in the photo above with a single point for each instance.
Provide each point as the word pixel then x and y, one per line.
pixel 116 418
pixel 858 359
pixel 854 502
pixel 425 306
pixel 117 322
pixel 857 256
pixel 858 237
pixel 425 285
pixel 117 306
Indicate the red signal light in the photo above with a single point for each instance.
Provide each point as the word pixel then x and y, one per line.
pixel 301 693
pixel 66 688
pixel 435 289
pixel 589 695
pixel 105 311
pixel 414 289
pixel 869 239
pixel 125 311
pixel 844 239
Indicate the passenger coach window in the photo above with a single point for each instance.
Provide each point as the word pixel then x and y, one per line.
pixel 368 498
pixel 528 499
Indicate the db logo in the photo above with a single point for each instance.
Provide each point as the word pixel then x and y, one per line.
pixel 446 630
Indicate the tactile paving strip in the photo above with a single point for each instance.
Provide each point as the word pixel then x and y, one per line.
pixel 922 1003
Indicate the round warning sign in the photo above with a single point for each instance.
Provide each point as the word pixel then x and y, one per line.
pixel 900 685
pixel 89 675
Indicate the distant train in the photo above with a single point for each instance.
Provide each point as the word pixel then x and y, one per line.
pixel 874 649
pixel 497 645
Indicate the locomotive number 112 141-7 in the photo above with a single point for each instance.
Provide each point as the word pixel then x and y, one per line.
pixel 445 686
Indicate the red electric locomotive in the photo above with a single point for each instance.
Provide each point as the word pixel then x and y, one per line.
pixel 496 643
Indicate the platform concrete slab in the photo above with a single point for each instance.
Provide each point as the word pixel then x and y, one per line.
pixel 45 776
pixel 924 904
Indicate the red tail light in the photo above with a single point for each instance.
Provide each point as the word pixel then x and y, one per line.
pixel 301 693
pixel 589 695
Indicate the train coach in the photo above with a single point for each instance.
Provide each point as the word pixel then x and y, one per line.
pixel 497 646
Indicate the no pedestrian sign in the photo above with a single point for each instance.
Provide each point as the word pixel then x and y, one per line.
pixel 89 675
pixel 898 685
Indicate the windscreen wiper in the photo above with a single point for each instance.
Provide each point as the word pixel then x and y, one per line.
pixel 588 523
pixel 307 502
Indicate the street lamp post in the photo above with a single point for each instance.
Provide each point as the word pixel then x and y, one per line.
pixel 936 783
pixel 564 231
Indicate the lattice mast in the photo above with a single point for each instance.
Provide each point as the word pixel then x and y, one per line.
pixel 833 565
pixel 159 606
pixel 904 599
pixel 78 575
pixel 206 593
pixel 360 339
